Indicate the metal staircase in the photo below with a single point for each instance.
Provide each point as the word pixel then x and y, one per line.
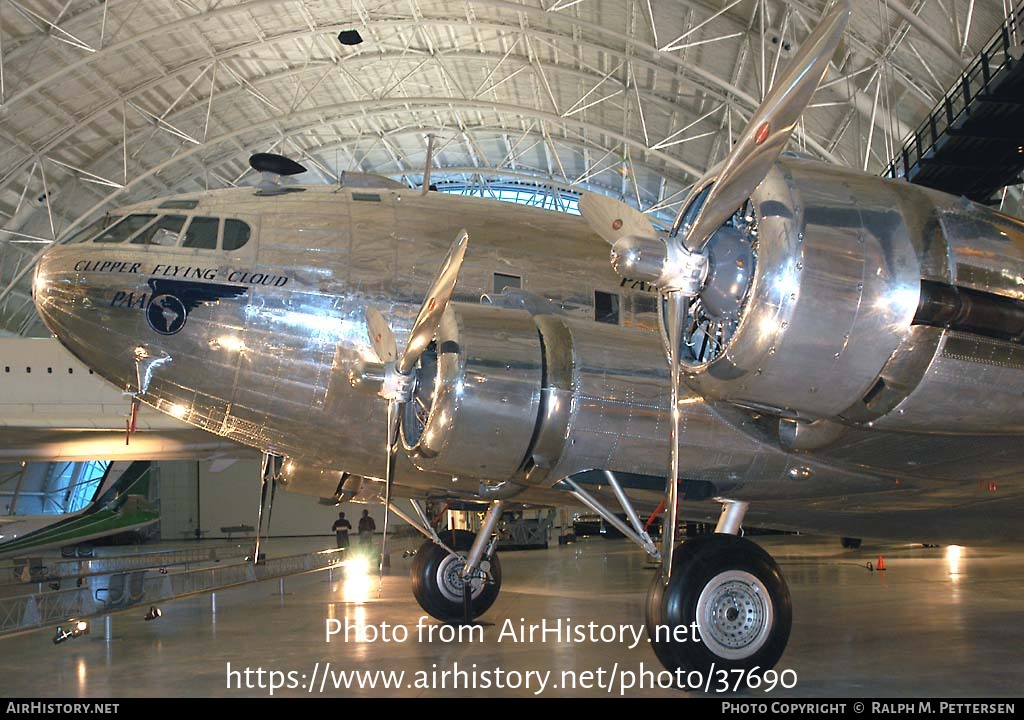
pixel 972 143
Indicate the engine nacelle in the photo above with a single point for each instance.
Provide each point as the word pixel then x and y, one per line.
pixel 833 323
pixel 476 406
pixel 522 399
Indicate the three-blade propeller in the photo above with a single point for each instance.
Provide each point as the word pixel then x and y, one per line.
pixel 765 137
pixel 713 200
pixel 399 378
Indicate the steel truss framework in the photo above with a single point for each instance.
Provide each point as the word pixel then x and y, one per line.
pixel 106 103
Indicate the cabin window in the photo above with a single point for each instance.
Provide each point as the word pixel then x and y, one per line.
pixel 124 229
pixel 202 233
pixel 163 232
pixel 606 307
pixel 236 234
pixel 503 282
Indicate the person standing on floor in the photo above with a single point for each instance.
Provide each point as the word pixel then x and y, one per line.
pixel 366 528
pixel 341 527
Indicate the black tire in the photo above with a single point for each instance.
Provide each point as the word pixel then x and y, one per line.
pixel 700 564
pixel 436 584
pixel 850 543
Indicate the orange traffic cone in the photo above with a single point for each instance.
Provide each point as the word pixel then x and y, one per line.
pixel 881 563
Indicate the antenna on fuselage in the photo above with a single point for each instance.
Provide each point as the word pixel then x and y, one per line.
pixel 272 167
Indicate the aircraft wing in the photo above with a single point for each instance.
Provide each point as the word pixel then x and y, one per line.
pixel 64 444
pixel 120 504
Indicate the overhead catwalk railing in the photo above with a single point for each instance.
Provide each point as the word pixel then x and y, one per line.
pixel 972 143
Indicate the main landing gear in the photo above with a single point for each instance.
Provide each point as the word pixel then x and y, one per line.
pixel 728 592
pixel 719 600
pixel 439 579
pixel 456 575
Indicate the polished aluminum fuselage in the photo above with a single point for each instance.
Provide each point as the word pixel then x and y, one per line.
pixel 270 368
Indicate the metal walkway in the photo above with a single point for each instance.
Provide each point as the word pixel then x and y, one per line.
pixel 972 143
pixel 32 570
pixel 101 594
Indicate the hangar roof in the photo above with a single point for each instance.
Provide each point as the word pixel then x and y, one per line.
pixel 108 102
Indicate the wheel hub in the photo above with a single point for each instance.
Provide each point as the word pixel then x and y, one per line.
pixel 734 614
pixel 450 582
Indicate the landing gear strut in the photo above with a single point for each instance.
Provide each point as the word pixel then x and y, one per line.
pixel 270 471
pixel 718 599
pixel 731 592
pixel 456 575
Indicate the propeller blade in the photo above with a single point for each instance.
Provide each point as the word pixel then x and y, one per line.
pixel 382 340
pixel 389 475
pixel 440 294
pixel 612 219
pixel 764 139
pixel 678 305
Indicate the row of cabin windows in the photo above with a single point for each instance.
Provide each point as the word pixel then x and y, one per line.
pixel 200 233
pixel 606 304
pixel 28 369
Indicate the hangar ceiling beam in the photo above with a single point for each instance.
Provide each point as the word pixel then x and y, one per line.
pixel 416 15
pixel 628 49
pixel 201 65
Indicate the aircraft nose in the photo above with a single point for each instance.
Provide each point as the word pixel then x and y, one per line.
pixel 58 294
pixel 71 303
pixel 44 288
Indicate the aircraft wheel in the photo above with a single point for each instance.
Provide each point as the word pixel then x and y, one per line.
pixel 437 581
pixel 735 595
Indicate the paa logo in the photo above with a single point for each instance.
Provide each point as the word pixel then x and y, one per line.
pixel 166 314
pixel 173 300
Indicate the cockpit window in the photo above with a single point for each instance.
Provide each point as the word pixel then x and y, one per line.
pixel 92 228
pixel 236 234
pixel 202 233
pixel 163 232
pixel 124 229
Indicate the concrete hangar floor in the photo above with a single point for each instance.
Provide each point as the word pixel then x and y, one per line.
pixel 939 622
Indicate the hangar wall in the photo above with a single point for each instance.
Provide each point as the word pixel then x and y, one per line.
pixel 191 490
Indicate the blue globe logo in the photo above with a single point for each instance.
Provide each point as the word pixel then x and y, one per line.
pixel 166 314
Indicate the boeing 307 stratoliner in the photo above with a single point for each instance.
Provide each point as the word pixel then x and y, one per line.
pixel 844 355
